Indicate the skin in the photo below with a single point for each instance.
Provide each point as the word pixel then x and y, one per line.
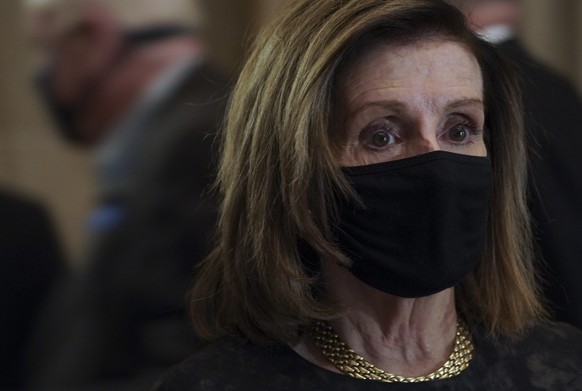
pixel 421 97
pixel 88 53
pixel 484 13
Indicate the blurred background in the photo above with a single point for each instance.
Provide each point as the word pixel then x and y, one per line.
pixel 35 161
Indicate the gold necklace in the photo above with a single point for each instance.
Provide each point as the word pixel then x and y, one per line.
pixel 354 365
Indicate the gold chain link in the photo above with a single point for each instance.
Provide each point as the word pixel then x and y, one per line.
pixel 354 365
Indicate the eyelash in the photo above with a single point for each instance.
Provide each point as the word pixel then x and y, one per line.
pixel 367 134
pixel 472 129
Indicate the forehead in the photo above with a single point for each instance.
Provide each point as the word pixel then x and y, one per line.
pixel 432 68
pixel 47 20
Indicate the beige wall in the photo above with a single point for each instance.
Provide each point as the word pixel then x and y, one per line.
pixel 34 160
pixel 552 30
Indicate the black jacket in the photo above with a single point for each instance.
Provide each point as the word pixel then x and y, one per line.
pixel 123 319
pixel 554 127
pixel 31 262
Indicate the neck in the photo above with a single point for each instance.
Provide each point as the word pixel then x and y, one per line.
pixel 128 81
pixel 407 337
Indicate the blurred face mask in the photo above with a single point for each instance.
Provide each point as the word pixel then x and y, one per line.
pixel 66 115
pixel 421 225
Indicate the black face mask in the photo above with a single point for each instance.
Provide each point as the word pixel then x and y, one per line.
pixel 421 225
pixel 66 116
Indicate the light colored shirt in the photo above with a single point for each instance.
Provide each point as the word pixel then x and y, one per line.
pixel 496 33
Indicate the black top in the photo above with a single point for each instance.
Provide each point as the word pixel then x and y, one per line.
pixel 549 357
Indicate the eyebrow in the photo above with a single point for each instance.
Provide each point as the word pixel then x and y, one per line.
pixel 399 106
pixel 464 102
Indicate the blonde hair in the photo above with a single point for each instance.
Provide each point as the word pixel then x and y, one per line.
pixel 132 14
pixel 279 175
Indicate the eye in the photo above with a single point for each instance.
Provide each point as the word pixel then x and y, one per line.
pixel 379 136
pixel 460 133
pixel 380 139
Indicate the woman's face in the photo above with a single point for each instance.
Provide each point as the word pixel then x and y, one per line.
pixel 399 101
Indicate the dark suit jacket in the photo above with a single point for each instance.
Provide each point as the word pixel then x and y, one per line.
pixel 554 126
pixel 123 321
pixel 30 263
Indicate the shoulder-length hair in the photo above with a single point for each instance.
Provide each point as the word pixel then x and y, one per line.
pixel 279 174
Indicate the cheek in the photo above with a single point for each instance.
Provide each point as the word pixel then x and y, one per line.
pixel 480 149
pixel 66 79
pixel 349 155
pixel 71 75
pixel 477 148
pixel 357 156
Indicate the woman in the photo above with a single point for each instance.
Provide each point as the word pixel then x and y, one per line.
pixel 373 230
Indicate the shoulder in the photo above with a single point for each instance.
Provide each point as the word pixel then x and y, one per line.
pixel 553 338
pixel 553 356
pixel 21 217
pixel 554 345
pixel 15 204
pixel 203 368
pixel 231 363
pixel 547 357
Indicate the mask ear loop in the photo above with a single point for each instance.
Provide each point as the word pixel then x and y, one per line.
pixel 157 33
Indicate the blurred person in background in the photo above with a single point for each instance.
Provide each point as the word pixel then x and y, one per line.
pixel 553 120
pixel 129 79
pixel 31 263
